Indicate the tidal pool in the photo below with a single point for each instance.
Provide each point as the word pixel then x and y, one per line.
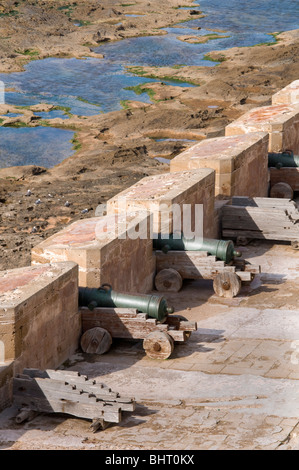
pixel 87 87
pixel 43 146
pixel 90 86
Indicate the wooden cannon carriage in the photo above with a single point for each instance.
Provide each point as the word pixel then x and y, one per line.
pixel 102 324
pixel 175 266
pixel 261 218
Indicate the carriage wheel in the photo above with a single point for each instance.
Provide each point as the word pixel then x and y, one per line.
pixel 168 280
pixel 282 190
pixel 158 345
pixel 227 284
pixel 96 341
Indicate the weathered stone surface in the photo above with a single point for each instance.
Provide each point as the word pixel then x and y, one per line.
pixel 107 249
pixel 6 375
pixel 288 94
pixel 240 163
pixel 281 122
pixel 39 320
pixel 159 195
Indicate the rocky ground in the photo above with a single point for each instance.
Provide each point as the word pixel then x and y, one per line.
pixel 116 149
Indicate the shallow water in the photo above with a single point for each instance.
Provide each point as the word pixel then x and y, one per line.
pixel 55 113
pixel 43 146
pixel 250 18
pixel 103 82
pixel 87 87
pixel 91 86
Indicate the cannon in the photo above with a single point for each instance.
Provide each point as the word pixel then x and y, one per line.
pixel 107 314
pixel 284 174
pixel 283 159
pixel 223 250
pixel 154 306
pixel 178 258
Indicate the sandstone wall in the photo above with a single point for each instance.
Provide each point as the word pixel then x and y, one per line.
pixel 240 163
pixel 107 250
pixel 158 194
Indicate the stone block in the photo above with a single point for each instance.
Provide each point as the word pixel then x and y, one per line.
pixel 6 377
pixel 240 163
pixel 280 121
pixel 111 249
pixel 166 197
pixel 38 303
pixel 287 95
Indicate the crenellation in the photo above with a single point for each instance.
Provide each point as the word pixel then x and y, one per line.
pixel 40 323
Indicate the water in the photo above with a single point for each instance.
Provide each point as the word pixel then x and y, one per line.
pixel 55 113
pixel 248 18
pixel 87 87
pixel 10 115
pixel 90 86
pixel 43 146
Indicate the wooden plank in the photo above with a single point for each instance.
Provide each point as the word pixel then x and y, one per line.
pixel 243 201
pixel 121 312
pixel 191 266
pixel 176 322
pixel 245 276
pixel 66 376
pixel 100 391
pixel 179 336
pixel 252 234
pixel 44 397
pixel 117 325
pixel 87 411
pixel 49 395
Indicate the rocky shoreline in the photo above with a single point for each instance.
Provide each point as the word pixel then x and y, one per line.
pixel 116 149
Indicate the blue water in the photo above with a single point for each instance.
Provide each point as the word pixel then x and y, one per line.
pixel 55 113
pixel 10 115
pixel 247 18
pixel 66 82
pixel 43 146
pixel 103 82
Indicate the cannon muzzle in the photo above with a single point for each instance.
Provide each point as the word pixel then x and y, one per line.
pixel 283 159
pixel 154 306
pixel 221 249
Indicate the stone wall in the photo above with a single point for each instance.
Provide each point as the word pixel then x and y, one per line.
pixel 39 321
pixel 280 121
pixel 240 163
pixel 40 324
pixel 159 194
pixel 107 250
pixel 288 95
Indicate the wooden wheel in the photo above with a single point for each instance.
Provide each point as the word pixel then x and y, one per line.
pixel 227 284
pixel 158 345
pixel 168 280
pixel 282 190
pixel 96 341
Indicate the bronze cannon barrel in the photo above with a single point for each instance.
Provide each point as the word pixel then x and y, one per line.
pixel 283 159
pixel 154 306
pixel 221 249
